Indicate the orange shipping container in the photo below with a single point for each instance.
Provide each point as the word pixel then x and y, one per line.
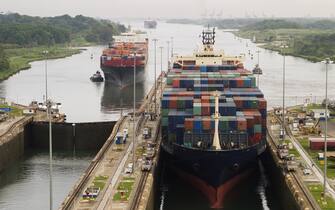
pixel 206 124
pixel 241 124
pixel 189 124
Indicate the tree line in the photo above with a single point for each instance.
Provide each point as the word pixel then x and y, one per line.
pixel 30 31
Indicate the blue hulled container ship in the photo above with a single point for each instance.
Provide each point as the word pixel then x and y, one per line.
pixel 213 120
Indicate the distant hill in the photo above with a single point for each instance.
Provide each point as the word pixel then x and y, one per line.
pixel 26 30
pixel 272 24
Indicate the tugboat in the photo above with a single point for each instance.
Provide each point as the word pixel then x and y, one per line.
pixel 97 77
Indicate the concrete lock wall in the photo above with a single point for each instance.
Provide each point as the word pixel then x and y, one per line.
pixel 12 150
pixel 69 136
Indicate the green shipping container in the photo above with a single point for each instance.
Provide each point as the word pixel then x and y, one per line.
pixel 196 109
pixel 165 121
pixel 180 104
pixel 165 112
pixel 258 128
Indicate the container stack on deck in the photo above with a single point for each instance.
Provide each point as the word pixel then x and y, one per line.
pixel 188 106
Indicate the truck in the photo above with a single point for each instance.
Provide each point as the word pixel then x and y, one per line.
pixel 118 138
pixel 146 132
pixel 146 165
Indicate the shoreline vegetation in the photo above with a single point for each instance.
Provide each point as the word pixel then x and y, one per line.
pixel 309 38
pixel 20 58
pixel 23 39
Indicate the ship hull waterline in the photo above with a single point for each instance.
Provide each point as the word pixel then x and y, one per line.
pixel 123 75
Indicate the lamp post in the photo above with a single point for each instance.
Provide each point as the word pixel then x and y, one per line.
pixel 258 51
pixel 48 104
pixel 155 42
pixel 161 78
pixel 171 46
pixel 168 55
pixel 134 107
pixel 327 61
pixel 283 47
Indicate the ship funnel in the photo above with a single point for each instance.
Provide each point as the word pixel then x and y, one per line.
pixel 216 140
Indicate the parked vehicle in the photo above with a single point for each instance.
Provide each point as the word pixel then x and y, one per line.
pixel 146 165
pixel 129 168
pixel 119 138
pixel 146 133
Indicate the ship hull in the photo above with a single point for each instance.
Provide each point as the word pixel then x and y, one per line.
pixel 214 173
pixel 123 75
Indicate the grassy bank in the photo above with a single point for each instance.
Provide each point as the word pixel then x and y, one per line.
pixel 311 44
pixel 325 203
pixel 19 58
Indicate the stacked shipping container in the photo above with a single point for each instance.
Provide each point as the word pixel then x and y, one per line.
pixel 188 106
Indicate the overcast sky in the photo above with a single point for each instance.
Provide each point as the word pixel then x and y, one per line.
pixel 172 8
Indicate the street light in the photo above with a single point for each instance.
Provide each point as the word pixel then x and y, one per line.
pixel 171 46
pixel 48 104
pixel 134 107
pixel 283 47
pixel 155 41
pixel 168 55
pixel 327 61
pixel 258 51
pixel 161 78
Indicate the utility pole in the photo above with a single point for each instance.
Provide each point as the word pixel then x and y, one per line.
pixel 284 66
pixel 168 55
pixel 161 77
pixel 155 98
pixel 134 107
pixel 258 51
pixel 48 106
pixel 171 46
pixel 327 61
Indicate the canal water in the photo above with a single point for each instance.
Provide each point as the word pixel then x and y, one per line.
pixel 84 101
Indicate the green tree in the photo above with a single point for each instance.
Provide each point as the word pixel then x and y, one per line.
pixel 4 63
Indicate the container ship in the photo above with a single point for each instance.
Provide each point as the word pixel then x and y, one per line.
pixel 150 24
pixel 118 60
pixel 213 120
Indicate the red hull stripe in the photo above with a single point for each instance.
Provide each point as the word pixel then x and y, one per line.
pixel 215 196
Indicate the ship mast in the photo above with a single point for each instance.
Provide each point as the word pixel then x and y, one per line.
pixel 216 140
pixel 208 39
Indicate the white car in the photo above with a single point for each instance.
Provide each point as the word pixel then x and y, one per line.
pixel 129 168
pixel 307 171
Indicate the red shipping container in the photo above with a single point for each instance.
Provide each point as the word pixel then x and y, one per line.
pixel 206 124
pixel 241 124
pixel 173 103
pixel 188 124
pixel 240 82
pixel 257 137
pixel 262 103
pixel 250 121
pixel 238 102
pixel 176 83
pixel 205 109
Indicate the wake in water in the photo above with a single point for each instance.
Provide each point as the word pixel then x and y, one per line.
pixel 261 189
